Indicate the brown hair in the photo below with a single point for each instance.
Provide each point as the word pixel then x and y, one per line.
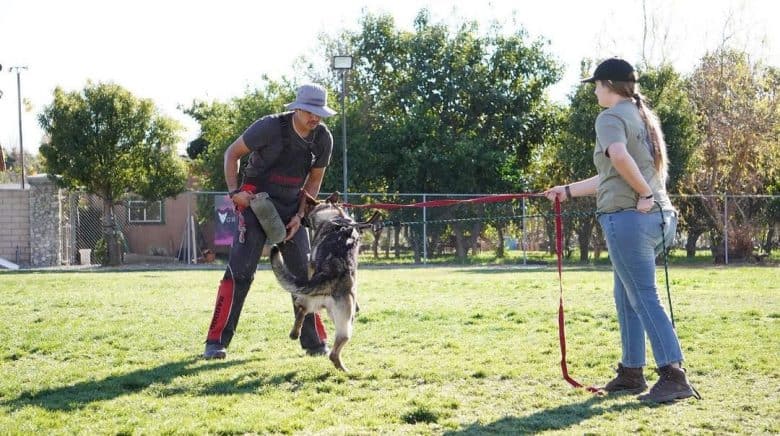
pixel 652 125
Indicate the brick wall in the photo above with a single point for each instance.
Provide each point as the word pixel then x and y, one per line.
pixel 15 225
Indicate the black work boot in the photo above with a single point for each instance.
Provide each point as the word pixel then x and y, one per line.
pixel 672 385
pixel 628 380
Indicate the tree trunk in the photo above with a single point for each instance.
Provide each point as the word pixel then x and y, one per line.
pixel 476 232
pixel 110 234
pixel 415 240
pixel 500 245
pixel 375 245
pixel 461 249
pixel 585 233
pixel 690 244
pixel 396 238
pixel 770 237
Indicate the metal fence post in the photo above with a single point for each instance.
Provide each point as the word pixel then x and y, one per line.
pixel 726 227
pixel 425 230
pixel 525 258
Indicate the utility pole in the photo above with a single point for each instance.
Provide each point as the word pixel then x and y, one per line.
pixel 19 69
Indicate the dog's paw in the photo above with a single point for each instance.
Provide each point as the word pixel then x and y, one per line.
pixel 294 334
pixel 337 362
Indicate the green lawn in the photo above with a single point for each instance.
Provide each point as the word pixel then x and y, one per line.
pixel 435 350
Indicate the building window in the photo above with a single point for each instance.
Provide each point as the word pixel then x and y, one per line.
pixel 145 212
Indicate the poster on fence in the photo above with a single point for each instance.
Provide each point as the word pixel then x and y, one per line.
pixel 225 222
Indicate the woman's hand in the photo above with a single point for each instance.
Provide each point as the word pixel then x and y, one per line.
pixel 644 204
pixel 556 191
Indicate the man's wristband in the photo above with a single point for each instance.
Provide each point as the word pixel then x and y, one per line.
pixel 647 197
pixel 568 192
pixel 234 192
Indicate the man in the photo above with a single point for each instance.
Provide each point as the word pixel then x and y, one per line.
pixel 289 154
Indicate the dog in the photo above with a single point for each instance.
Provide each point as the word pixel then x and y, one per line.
pixel 331 284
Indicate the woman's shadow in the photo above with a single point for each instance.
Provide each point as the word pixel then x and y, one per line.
pixel 557 418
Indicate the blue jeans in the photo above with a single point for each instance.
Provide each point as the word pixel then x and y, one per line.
pixel 634 239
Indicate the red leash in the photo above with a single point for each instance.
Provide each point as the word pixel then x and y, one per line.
pixel 558 250
pixel 561 322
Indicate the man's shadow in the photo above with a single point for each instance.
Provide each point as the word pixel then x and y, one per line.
pixel 79 395
pixel 558 418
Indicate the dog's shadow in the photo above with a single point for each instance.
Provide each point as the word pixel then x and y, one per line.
pixel 81 394
pixel 557 418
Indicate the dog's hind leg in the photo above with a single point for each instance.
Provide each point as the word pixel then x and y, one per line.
pixel 342 314
pixel 300 314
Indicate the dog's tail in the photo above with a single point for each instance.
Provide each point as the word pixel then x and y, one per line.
pixel 320 284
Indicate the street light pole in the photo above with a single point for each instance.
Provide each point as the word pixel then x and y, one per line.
pixel 343 64
pixel 19 105
pixel 344 129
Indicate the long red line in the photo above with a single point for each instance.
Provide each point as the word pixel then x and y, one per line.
pixel 558 251
pixel 561 319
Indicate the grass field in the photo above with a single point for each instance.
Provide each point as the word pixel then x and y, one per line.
pixel 435 350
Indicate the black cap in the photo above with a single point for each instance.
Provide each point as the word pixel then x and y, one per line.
pixel 613 69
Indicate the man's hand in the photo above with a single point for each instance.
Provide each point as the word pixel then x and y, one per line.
pixel 293 226
pixel 242 199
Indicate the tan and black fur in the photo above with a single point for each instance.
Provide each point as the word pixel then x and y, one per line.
pixel 335 240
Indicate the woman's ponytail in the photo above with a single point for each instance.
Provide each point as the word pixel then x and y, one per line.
pixel 656 137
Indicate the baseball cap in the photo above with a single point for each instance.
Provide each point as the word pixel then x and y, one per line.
pixel 312 98
pixel 613 69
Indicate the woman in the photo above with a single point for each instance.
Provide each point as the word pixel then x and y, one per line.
pixel 630 158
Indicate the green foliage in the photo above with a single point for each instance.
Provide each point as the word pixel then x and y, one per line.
pixel 434 350
pixel 461 102
pixel 108 142
pixel 739 111
pixel 667 93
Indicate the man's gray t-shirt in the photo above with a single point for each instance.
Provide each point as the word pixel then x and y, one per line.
pixel 623 123
pixel 281 171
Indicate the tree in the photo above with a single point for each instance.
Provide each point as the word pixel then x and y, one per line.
pixel 667 94
pixel 739 108
pixel 441 110
pixel 110 143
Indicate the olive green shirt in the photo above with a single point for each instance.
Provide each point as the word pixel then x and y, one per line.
pixel 623 123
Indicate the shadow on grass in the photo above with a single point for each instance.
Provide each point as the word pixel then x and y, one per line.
pixel 558 418
pixel 81 394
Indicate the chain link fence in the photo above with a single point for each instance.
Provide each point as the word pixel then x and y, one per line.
pixel 197 227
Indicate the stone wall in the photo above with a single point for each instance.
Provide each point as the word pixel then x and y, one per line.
pixel 45 222
pixel 31 224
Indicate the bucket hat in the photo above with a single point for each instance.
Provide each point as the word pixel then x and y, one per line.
pixel 312 98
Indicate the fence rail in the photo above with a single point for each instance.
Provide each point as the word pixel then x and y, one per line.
pixel 197 224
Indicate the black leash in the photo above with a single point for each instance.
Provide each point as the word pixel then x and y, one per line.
pixel 666 262
pixel 697 395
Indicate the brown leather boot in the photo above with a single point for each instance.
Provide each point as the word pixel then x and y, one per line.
pixel 628 380
pixel 672 385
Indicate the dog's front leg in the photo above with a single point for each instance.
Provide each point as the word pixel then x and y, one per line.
pixel 300 314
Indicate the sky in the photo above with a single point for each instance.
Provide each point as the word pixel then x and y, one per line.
pixel 174 51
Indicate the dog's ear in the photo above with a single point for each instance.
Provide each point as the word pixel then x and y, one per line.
pixel 308 202
pixel 333 198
